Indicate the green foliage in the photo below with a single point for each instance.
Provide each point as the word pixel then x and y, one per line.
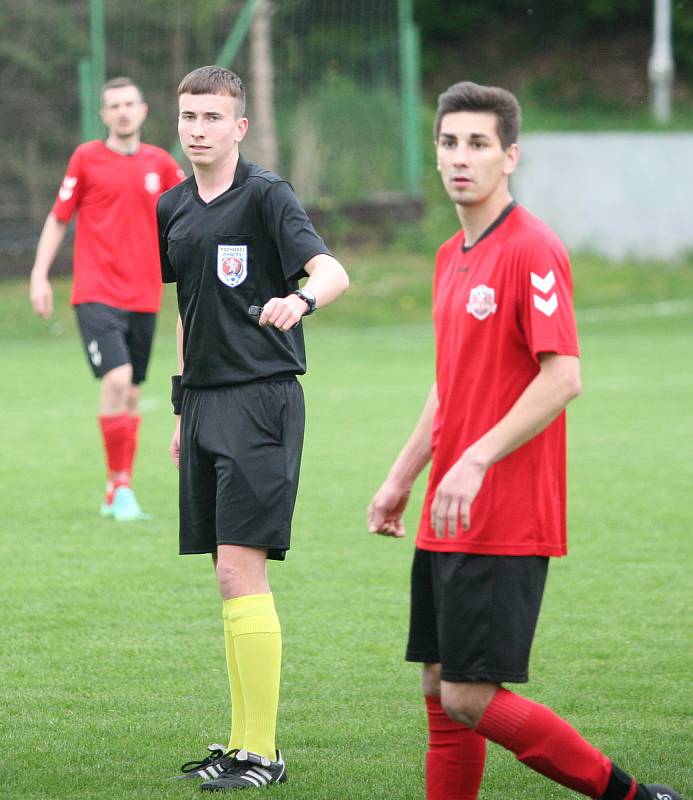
pixel 337 100
pixel 336 76
pixel 447 19
pixel 575 56
pixel 39 51
pixel 597 114
pixel 325 141
pixel 544 21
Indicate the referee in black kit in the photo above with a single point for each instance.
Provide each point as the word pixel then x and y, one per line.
pixel 236 240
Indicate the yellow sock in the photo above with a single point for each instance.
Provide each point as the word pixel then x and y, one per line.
pixel 237 738
pixel 257 646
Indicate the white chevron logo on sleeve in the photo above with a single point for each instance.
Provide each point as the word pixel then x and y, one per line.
pixel 546 306
pixel 544 284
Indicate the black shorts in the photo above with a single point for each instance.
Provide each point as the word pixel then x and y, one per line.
pixel 113 337
pixel 240 455
pixel 475 614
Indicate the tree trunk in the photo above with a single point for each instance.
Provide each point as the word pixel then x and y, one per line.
pixel 262 82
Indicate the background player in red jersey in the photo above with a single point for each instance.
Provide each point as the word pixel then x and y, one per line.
pixel 113 186
pixel 494 429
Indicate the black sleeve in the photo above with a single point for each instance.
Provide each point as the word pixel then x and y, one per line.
pixel 168 274
pixel 291 228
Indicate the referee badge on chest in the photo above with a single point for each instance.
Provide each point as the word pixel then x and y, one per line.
pixel 232 264
pixel 482 302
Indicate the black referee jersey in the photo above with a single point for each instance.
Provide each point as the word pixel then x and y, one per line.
pixel 244 247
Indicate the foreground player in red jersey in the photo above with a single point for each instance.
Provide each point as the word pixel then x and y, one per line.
pixel 494 429
pixel 113 186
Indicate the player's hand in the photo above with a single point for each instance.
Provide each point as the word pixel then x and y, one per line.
pixel 454 497
pixel 386 509
pixel 283 312
pixel 174 448
pixel 41 295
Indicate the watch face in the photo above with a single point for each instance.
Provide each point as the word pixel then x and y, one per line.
pixel 307 297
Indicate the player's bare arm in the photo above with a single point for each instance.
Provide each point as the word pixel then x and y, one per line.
pixel 556 384
pixel 387 507
pixel 40 291
pixel 174 447
pixel 327 280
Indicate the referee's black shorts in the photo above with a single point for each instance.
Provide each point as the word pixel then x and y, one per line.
pixel 240 455
pixel 475 614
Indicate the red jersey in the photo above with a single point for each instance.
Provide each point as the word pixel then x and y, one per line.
pixel 496 307
pixel 116 253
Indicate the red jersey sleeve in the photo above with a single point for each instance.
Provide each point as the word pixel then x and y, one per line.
pixel 546 291
pixel 69 194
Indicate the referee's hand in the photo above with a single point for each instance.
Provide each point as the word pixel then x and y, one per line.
pixel 283 313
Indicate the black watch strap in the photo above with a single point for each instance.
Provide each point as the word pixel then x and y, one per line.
pixel 308 298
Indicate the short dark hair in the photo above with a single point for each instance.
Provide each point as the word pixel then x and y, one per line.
pixel 468 96
pixel 214 80
pixel 120 83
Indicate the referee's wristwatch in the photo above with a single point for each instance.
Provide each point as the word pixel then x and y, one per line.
pixel 308 298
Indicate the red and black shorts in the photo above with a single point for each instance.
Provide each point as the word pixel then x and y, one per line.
pixel 240 456
pixel 475 614
pixel 113 337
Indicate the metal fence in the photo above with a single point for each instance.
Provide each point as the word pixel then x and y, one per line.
pixel 332 92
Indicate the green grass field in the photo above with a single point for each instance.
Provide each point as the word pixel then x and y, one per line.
pixel 112 664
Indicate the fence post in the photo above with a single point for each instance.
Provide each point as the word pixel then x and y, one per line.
pixel 86 99
pixel 409 48
pixel 98 47
pixel 92 73
pixel 661 64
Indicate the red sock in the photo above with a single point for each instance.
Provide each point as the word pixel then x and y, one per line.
pixel 455 757
pixel 546 743
pixel 115 429
pixel 134 420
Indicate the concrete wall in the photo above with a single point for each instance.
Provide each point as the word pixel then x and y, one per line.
pixel 623 195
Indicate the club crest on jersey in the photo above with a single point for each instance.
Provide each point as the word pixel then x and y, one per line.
pixel 482 302
pixel 232 264
pixel 152 182
pixel 67 188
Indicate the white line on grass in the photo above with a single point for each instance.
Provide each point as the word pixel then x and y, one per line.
pixel 663 308
pixel 146 405
pixel 630 384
